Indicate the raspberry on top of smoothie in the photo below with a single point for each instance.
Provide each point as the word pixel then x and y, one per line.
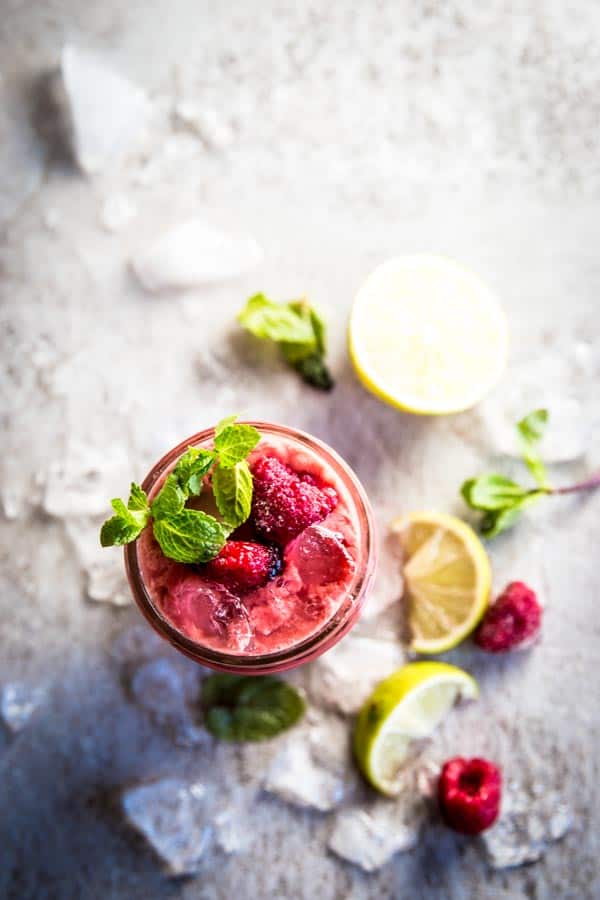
pixel 280 575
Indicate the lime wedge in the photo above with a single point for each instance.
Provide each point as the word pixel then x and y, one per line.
pixel 427 335
pixel 406 707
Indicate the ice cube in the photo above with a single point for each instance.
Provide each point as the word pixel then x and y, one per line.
pixel 297 778
pixel 192 254
pixel 173 818
pixel 135 645
pixel 116 211
pixel 233 823
pixel 215 131
pixel 529 822
pixel 370 836
pixel 319 556
pixel 18 702
pixel 157 686
pixel 344 677
pixel 80 482
pixel 200 608
pixel 554 381
pixel 107 113
pixel 104 571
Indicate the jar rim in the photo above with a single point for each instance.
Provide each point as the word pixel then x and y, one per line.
pixel 316 643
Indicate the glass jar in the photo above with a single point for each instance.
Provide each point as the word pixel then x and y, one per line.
pixel 347 607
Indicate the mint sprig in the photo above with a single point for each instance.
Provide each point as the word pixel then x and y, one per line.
pixel 190 535
pixel 299 331
pixel 502 500
pixel 249 708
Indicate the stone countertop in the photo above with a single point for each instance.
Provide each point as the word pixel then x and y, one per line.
pixel 336 137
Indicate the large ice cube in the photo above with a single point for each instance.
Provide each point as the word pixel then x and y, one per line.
pixel 108 114
pixel 344 677
pixel 192 254
pixel 173 818
pixel 200 608
pixel 530 820
pixel 319 556
pixel 104 572
pixel 18 702
pixel 311 768
pixel 370 836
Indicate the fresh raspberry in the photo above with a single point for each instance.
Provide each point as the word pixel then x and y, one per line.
pixel 469 792
pixel 284 503
pixel 513 620
pixel 242 565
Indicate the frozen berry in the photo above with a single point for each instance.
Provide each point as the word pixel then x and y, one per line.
pixel 283 503
pixel 242 565
pixel 513 620
pixel 469 792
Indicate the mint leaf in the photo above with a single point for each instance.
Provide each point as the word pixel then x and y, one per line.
pixel 531 431
pixel 234 442
pixel 191 469
pixel 276 322
pixel 249 708
pixel 490 492
pixel 129 521
pixel 170 500
pixel 298 329
pixel 233 492
pixel 499 520
pixel 190 536
pixel 223 424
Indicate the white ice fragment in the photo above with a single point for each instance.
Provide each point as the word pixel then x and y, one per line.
pixel 116 211
pixel 135 645
pixel 79 483
pixel 295 777
pixel 233 823
pixel 560 382
pixel 344 677
pixel 157 686
pixel 104 571
pixel 369 837
pixel 191 254
pixel 215 131
pixel 21 154
pixel 13 501
pixel 529 822
pixel 107 112
pixel 172 817
pixel 18 702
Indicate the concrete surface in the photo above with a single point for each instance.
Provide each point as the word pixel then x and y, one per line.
pixel 344 134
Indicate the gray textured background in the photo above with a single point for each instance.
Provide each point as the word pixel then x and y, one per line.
pixel 356 132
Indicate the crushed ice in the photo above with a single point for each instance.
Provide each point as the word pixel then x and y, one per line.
pixel 344 677
pixel 116 212
pixel 369 836
pixel 172 817
pixel 312 770
pixel 104 573
pixel 79 483
pixel 107 113
pixel 530 820
pixel 191 254
pixel 18 702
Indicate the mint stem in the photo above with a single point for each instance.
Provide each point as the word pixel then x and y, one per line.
pixel 592 482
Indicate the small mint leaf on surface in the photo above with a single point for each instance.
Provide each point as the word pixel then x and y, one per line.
pixel 531 430
pixel 249 708
pixel 129 521
pixel 190 536
pixel 191 469
pixel 490 492
pixel 234 443
pixel 233 492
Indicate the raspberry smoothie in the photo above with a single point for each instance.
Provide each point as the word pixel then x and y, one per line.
pixel 287 584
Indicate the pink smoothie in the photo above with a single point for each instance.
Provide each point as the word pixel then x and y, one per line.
pixel 318 570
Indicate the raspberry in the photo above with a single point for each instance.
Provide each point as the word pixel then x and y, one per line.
pixel 469 792
pixel 284 503
pixel 243 565
pixel 514 619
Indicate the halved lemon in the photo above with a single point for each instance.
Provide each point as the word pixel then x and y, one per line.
pixel 427 335
pixel 406 707
pixel 447 579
